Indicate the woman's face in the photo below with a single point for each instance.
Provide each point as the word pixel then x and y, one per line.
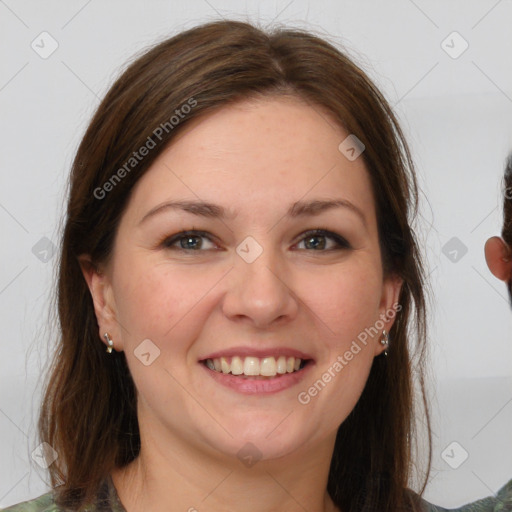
pixel 247 283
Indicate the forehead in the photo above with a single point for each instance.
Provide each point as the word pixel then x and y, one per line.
pixel 256 154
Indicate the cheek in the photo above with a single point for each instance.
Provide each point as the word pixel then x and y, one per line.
pixel 346 301
pixel 152 300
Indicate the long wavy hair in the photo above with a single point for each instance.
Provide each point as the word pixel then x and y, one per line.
pixel 88 414
pixel 506 232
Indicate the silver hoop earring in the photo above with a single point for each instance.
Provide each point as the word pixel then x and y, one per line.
pixel 110 343
pixel 385 341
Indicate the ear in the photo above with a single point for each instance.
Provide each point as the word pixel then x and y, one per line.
pixel 389 307
pixel 103 299
pixel 499 258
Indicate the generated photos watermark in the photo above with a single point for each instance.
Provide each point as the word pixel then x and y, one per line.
pixel 304 397
pixel 144 150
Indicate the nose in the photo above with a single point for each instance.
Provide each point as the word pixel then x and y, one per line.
pixel 259 291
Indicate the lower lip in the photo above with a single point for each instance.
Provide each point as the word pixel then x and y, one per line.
pixel 249 386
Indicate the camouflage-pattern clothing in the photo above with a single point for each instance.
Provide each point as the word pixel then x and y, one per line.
pixel 108 501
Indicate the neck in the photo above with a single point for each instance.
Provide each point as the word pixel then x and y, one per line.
pixel 177 476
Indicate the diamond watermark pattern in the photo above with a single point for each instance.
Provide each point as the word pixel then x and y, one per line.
pixel 454 45
pixel 249 250
pixel 44 45
pixel 44 250
pixel 454 249
pixel 249 454
pixel 351 147
pixel 44 455
pixel 454 455
pixel 147 352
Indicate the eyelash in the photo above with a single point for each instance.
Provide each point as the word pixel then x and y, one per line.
pixel 341 242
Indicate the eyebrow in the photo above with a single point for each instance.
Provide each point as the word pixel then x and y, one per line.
pixel 214 211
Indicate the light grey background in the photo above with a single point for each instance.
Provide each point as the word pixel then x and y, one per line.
pixel 456 112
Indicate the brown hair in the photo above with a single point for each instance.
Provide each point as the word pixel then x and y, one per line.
pixel 506 232
pixel 89 409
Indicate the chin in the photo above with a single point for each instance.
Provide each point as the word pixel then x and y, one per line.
pixel 260 442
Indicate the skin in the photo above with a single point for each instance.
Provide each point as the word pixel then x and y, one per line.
pixel 499 258
pixel 255 159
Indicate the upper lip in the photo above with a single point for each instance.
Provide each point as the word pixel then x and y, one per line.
pixel 258 352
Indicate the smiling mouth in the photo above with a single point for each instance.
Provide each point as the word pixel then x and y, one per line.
pixel 256 367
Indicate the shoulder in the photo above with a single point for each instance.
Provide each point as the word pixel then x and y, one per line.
pixel 106 500
pixel 500 502
pixel 44 503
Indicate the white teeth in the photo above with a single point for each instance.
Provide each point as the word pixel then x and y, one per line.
pixel 254 366
pixel 281 365
pixel 251 366
pixel 237 367
pixel 224 365
pixel 268 366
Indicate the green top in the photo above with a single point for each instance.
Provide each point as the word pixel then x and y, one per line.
pixel 108 501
